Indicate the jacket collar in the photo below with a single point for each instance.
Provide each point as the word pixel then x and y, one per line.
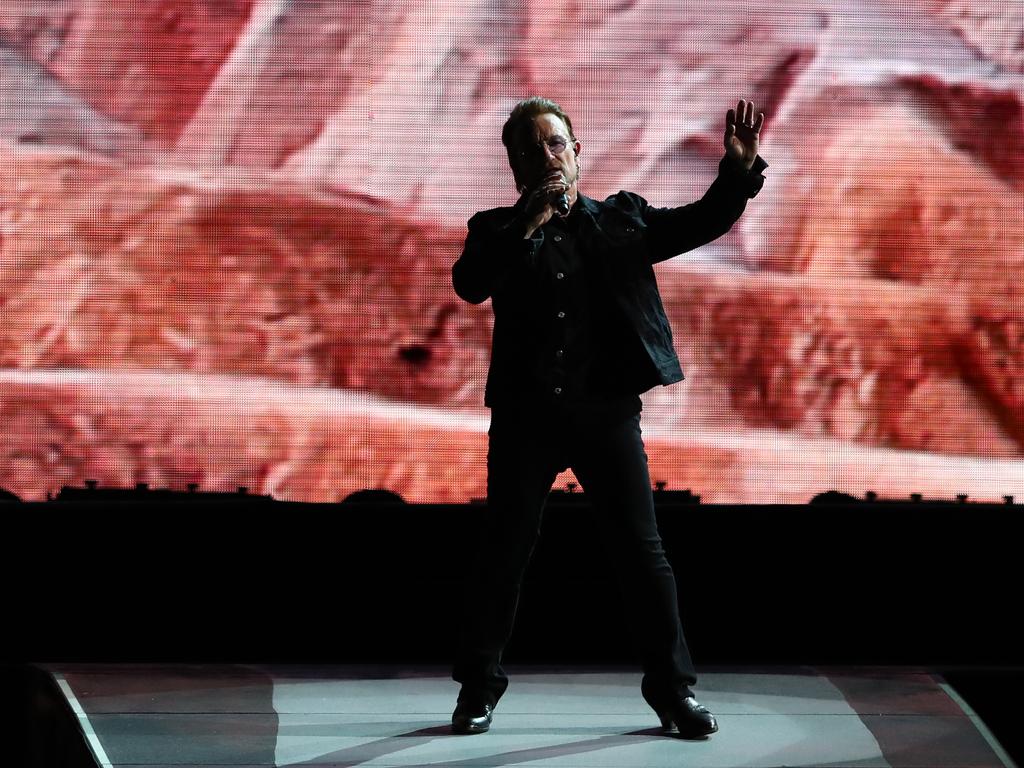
pixel 588 205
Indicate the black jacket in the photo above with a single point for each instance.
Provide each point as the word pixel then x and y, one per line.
pixel 625 236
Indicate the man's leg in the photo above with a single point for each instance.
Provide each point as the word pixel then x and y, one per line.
pixel 611 465
pixel 521 467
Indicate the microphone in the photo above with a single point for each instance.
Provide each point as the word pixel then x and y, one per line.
pixel 562 204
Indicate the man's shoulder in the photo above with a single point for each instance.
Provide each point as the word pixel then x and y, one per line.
pixel 622 201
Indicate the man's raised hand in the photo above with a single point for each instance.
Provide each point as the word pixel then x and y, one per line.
pixel 741 133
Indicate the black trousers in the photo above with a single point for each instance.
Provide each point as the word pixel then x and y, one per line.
pixel 525 453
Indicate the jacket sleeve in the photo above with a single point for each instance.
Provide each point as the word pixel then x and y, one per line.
pixel 672 231
pixel 491 253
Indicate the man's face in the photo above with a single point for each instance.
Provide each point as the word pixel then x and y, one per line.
pixel 533 152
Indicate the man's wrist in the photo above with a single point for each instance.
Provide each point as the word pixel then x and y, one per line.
pixel 738 165
pixel 520 230
pixel 740 168
pixel 524 227
pixel 750 180
pixel 515 229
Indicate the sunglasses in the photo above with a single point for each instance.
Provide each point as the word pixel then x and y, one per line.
pixel 555 145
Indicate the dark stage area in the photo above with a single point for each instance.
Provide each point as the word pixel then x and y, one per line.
pixel 222 577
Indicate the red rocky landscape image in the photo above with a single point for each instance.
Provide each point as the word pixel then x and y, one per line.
pixel 227 230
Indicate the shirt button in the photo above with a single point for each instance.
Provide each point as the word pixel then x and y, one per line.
pixel 560 275
pixel 558 390
pixel 558 238
pixel 561 315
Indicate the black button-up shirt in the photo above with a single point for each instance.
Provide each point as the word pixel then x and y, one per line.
pixel 579 322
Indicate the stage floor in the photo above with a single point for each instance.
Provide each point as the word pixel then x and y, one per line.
pixel 245 715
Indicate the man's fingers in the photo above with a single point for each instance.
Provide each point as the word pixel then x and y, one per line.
pixel 549 190
pixel 550 182
pixel 744 115
pixel 551 179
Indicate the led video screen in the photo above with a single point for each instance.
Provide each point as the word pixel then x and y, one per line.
pixel 227 229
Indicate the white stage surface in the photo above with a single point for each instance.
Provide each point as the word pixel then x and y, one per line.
pixel 248 715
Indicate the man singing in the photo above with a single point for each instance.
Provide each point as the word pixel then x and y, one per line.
pixel 579 333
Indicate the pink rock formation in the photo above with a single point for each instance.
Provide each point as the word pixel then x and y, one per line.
pixel 266 281
pixel 866 361
pixel 995 29
pixel 204 205
pixel 147 65
pixel 303 444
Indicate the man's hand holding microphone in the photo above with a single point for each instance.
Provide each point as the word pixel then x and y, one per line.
pixel 546 199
